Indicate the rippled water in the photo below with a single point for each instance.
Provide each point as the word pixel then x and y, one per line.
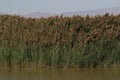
pixel 61 74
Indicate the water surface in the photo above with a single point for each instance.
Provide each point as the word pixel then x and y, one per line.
pixel 61 74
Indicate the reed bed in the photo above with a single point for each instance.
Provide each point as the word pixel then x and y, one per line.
pixel 59 41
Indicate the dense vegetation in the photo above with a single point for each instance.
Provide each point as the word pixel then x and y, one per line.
pixel 59 41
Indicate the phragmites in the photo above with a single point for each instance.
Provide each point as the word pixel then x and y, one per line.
pixel 59 41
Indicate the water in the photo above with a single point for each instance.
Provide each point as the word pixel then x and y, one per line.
pixel 61 74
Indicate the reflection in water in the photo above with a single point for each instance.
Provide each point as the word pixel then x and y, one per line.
pixel 61 74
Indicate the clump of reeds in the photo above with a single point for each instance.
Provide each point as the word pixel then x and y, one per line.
pixel 59 41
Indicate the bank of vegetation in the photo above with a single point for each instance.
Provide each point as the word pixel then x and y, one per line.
pixel 59 41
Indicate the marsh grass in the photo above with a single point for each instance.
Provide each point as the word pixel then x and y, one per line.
pixel 59 41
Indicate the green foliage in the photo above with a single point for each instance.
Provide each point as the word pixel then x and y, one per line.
pixel 59 41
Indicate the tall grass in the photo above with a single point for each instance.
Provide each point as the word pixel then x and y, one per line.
pixel 59 41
